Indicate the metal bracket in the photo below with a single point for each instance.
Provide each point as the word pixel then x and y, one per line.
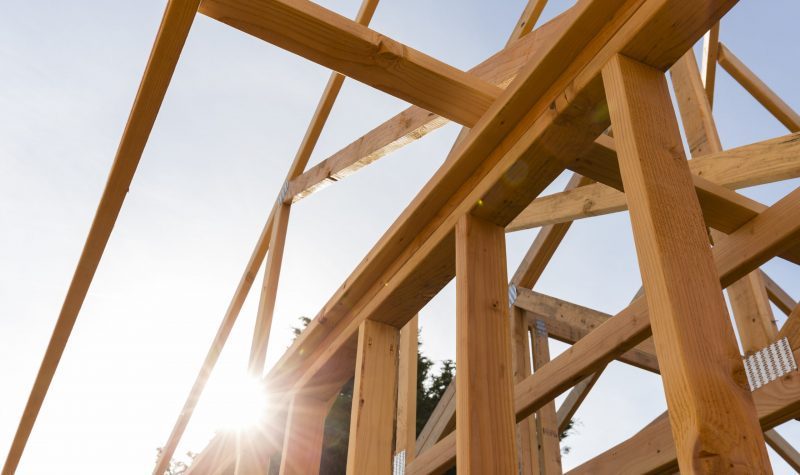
pixel 284 192
pixel 512 295
pixel 541 328
pixel 769 364
pixel 399 463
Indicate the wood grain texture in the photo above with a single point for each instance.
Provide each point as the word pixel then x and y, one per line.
pixel 374 393
pixel 758 89
pixel 671 243
pixel 333 41
pixel 546 419
pixel 527 434
pixel 485 425
pixel 708 72
pixel 777 295
pixel 755 164
pixel 783 448
pixel 406 435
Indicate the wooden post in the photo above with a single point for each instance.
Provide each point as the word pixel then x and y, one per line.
pixel 484 387
pixel 406 437
pixel 711 410
pixel 526 430
pixel 374 392
pixel 546 419
pixel 302 438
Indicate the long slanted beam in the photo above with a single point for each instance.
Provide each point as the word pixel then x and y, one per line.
pixel 755 164
pixel 735 256
pixel 777 295
pixel 416 122
pixel 414 260
pixel 333 41
pixel 758 89
pixel 172 34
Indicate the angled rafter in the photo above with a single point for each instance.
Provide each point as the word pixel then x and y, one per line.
pixel 709 65
pixel 758 89
pixel 777 295
pixel 783 448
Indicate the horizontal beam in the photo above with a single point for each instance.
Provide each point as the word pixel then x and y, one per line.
pixel 755 164
pixel 341 44
pixel 415 122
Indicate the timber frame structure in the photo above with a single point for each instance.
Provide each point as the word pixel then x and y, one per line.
pixel 586 92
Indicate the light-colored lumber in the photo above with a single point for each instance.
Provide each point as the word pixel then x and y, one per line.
pixel 415 122
pixel 652 450
pixel 755 164
pixel 748 296
pixel 546 419
pixel 527 438
pixel 671 241
pixel 484 388
pixel 303 436
pixel 758 89
pixel 783 448
pixel 791 327
pixel 441 422
pixel 406 435
pixel 374 393
pixel 269 290
pixel 708 72
pixel 173 31
pixel 410 263
pixel 333 41
pixel 777 295
pixel 574 400
pixel 265 239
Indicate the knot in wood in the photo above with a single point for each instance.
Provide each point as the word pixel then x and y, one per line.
pixel 389 52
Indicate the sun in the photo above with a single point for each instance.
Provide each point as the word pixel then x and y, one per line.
pixel 240 403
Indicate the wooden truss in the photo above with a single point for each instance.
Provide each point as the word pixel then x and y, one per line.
pixel 585 92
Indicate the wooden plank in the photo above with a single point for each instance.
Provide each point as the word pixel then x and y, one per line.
pixel 546 419
pixel 791 327
pixel 374 393
pixel 171 36
pixel 441 422
pixel 692 352
pixel 748 297
pixel 631 326
pixel 484 388
pixel 652 450
pixel 269 290
pixel 758 89
pixel 413 260
pixel 303 435
pixel 755 164
pixel 708 72
pixel 527 434
pixel 333 41
pixel 406 435
pixel 779 297
pixel 574 400
pixel 415 122
pixel 783 448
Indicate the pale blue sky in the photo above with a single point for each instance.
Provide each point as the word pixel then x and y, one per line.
pixel 230 125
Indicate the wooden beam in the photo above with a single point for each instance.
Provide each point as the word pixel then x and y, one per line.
pixel 546 421
pixel 441 422
pixel 779 297
pixel 735 256
pixel 755 164
pixel 692 352
pixel 413 260
pixel 783 448
pixel 758 89
pixel 415 122
pixel 652 450
pixel 484 388
pixel 303 435
pixel 709 65
pixel 527 434
pixel 406 436
pixel 374 393
pixel 333 41
pixel 791 327
pixel 574 400
pixel 748 297
pixel 171 36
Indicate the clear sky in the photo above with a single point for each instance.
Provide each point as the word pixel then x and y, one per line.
pixel 231 122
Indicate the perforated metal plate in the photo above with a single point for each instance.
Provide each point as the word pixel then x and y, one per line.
pixel 769 364
pixel 399 463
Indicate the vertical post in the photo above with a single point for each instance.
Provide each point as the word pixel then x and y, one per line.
pixel 269 289
pixel 374 392
pixel 526 430
pixel 711 410
pixel 406 437
pixel 485 417
pixel 302 438
pixel 546 419
pixel 748 296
